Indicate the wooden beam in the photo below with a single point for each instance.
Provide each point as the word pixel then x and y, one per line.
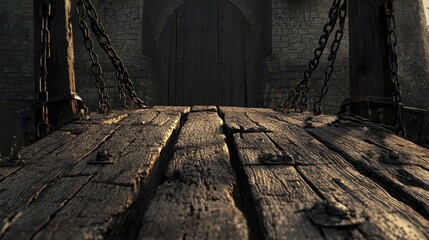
pixel 369 66
pixel 61 77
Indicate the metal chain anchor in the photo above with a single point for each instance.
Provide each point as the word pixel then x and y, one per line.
pixel 124 81
pixel 332 57
pixel 301 90
pixel 103 94
pixel 392 41
pixel 42 128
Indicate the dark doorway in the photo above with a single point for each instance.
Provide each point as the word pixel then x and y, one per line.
pixel 209 56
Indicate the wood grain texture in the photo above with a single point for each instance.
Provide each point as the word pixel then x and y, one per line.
pixel 387 218
pixel 22 188
pixel 91 211
pixel 38 150
pixel 38 214
pixel 369 153
pixel 204 109
pixel 329 176
pixel 280 196
pixel 196 199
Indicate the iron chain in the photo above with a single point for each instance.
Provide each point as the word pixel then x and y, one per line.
pixel 332 57
pixel 103 102
pixel 124 81
pixel 301 90
pixel 43 96
pixel 392 41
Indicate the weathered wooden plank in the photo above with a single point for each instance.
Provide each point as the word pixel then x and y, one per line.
pixel 278 193
pixel 274 193
pixel 369 147
pixel 196 199
pixel 182 110
pixel 89 214
pixel 109 118
pixel 134 125
pixel 377 162
pixel 192 137
pixel 204 109
pixel 38 150
pixel 291 140
pixel 22 188
pixel 137 160
pixel 34 218
pixel 386 217
pixel 135 148
pixel 280 196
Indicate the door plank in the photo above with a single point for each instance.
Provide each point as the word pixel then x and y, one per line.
pixel 180 57
pixel 172 63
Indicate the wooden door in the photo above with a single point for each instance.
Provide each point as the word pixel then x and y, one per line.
pixel 208 56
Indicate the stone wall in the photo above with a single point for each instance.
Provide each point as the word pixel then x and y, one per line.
pixel 123 22
pixel 16 67
pixel 16 54
pixel 413 53
pixel 297 27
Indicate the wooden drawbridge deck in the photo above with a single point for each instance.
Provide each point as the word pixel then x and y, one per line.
pixel 217 173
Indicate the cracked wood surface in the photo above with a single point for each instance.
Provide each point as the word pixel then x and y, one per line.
pixel 88 209
pixel 398 165
pixel 196 199
pixel 318 174
pixel 215 173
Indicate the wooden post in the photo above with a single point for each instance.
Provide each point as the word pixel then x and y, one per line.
pixel 369 65
pixel 61 78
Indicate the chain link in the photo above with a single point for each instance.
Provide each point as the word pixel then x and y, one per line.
pixel 43 96
pixel 332 57
pixel 392 41
pixel 97 71
pixel 301 90
pixel 124 81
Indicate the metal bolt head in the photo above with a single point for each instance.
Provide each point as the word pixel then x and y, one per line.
pixel 393 155
pixel 102 155
pixel 337 209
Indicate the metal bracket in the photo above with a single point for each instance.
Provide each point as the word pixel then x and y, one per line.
pixel 331 213
pixel 365 99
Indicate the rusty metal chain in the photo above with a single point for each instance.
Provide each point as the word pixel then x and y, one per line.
pixel 124 81
pixel 393 62
pixel 332 57
pixel 301 90
pixel 103 102
pixel 42 128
